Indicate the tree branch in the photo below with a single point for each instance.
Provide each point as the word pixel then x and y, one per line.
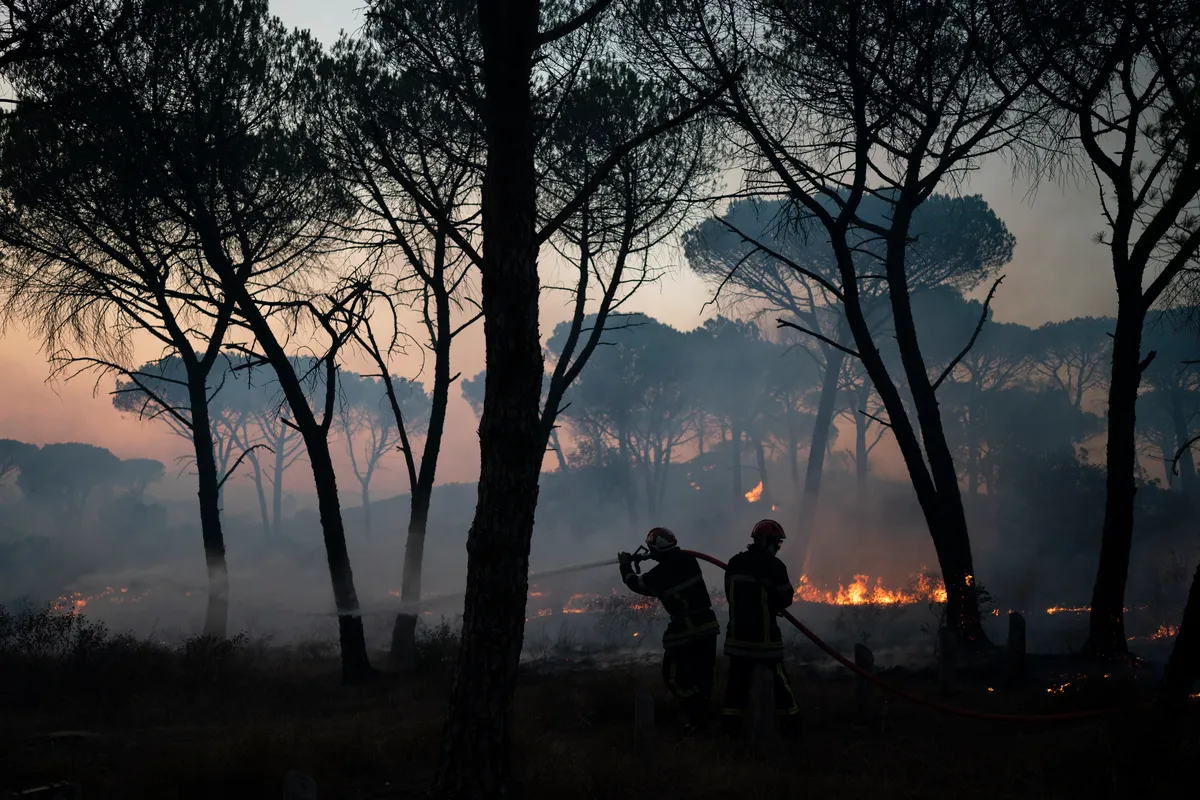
pixel 598 177
pixel 570 26
pixel 782 323
pixel 978 328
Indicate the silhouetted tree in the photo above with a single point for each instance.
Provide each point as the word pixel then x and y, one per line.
pixel 366 413
pixel 32 31
pixel 208 101
pixel 763 263
pixel 11 454
pixel 519 87
pixel 1173 396
pixel 159 391
pixel 850 101
pixel 1073 354
pixel 139 473
pixel 63 476
pixel 400 138
pixel 1123 77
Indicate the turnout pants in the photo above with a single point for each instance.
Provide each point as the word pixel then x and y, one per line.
pixel 737 692
pixel 687 670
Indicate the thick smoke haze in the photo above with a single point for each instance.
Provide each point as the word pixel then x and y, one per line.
pixel 1056 273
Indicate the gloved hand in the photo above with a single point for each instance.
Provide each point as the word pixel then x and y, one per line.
pixel 625 560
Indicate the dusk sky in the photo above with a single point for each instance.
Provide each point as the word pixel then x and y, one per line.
pixel 1057 272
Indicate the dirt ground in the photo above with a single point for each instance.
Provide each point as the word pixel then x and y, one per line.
pixel 218 719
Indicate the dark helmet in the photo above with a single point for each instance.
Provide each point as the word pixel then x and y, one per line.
pixel 661 540
pixel 766 529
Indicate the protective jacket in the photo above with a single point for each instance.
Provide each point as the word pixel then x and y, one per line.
pixel 676 580
pixel 757 588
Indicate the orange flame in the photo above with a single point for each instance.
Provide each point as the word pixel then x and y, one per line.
pixel 860 592
pixel 75 602
pixel 754 494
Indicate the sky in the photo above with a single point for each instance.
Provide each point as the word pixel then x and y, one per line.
pixel 1057 272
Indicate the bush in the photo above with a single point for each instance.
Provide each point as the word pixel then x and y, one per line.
pixel 48 652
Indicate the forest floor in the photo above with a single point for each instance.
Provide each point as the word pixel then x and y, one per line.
pixel 132 719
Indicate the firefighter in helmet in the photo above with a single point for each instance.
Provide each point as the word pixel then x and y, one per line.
pixel 690 641
pixel 757 588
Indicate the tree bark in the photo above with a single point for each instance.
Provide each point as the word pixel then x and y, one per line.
pixel 1183 667
pixel 216 615
pixel 356 665
pixel 949 527
pixel 1106 623
pixel 476 756
pixel 366 505
pixel 826 406
pixel 422 491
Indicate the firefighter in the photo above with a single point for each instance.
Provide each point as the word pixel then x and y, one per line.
pixel 757 588
pixel 690 641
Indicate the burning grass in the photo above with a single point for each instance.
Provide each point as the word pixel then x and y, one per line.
pixel 231 717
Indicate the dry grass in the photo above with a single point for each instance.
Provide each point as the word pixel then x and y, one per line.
pixel 219 718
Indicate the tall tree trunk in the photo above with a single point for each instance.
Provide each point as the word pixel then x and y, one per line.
pixel 627 485
pixel 861 466
pixel 264 514
pixel 794 453
pixel 972 461
pixel 735 463
pixel 1187 464
pixel 216 615
pixel 422 490
pixel 366 505
pixel 826 406
pixel 950 532
pixel 1106 623
pixel 356 665
pixel 277 488
pixel 760 458
pixel 476 756
pixel 1183 667
pixel 556 446
pixel 1168 455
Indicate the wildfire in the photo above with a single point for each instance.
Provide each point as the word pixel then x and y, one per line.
pixel 1068 610
pixel 74 602
pixel 754 494
pixel 1164 632
pixel 861 592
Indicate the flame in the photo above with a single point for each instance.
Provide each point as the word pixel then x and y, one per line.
pixel 860 592
pixel 75 602
pixel 754 494
pixel 1164 632
pixel 1068 609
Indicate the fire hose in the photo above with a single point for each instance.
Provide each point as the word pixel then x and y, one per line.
pixel 867 675
pixel 1066 716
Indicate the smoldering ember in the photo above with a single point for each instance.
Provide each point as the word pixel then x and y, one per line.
pixel 478 399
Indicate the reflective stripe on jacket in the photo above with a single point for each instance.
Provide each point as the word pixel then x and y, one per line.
pixel 757 588
pixel 676 580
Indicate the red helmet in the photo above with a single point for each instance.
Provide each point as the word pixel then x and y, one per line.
pixel 767 529
pixel 660 540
